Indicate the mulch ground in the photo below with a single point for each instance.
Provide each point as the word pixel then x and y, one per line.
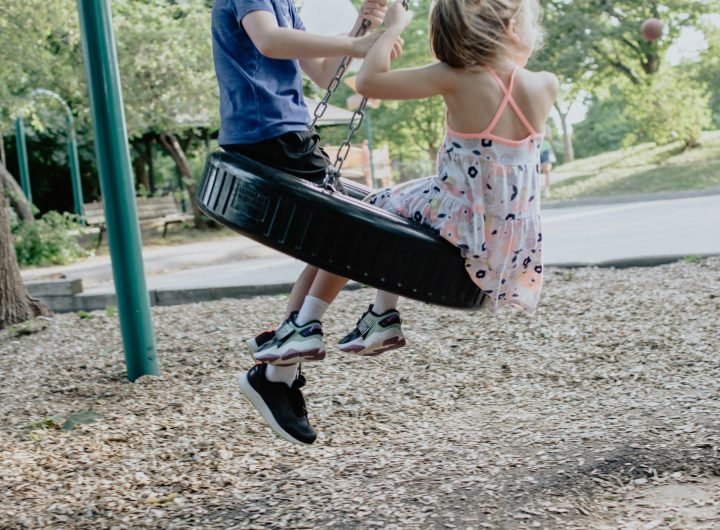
pixel 600 411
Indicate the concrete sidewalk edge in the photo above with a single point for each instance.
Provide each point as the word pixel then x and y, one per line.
pixel 62 300
pixel 626 263
pixel 624 199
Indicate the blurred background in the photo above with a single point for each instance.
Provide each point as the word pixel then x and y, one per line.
pixel 634 116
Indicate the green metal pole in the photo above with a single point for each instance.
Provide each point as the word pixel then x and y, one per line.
pixel 75 171
pixel 113 157
pixel 23 158
pixel 72 148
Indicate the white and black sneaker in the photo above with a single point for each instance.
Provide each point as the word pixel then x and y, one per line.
pixel 262 338
pixel 293 344
pixel 282 406
pixel 259 340
pixel 374 334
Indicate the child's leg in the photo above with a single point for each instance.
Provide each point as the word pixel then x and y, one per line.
pixel 281 374
pixel 385 301
pixel 321 294
pixel 327 286
pixel 301 289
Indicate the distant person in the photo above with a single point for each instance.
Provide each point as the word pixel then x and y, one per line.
pixel 485 199
pixel 547 159
pixel 260 50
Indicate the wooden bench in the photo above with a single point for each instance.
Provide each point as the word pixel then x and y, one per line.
pixel 164 209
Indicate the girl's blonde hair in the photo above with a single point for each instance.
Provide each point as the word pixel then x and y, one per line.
pixel 474 32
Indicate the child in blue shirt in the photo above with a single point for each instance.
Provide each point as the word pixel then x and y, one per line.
pixel 260 48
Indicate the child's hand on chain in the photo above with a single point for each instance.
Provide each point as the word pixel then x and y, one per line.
pixel 374 11
pixel 398 16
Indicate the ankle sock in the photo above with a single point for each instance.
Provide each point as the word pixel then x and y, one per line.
pixel 281 374
pixel 312 309
pixel 384 301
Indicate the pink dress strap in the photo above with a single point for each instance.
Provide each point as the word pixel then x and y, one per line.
pixel 508 99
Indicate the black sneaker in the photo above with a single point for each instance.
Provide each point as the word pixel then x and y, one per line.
pixel 283 407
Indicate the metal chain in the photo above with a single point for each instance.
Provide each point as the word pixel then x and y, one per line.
pixel 332 174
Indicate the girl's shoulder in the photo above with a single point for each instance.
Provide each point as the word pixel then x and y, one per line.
pixel 546 81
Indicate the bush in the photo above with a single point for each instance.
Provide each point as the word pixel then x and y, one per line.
pixel 47 241
pixel 671 108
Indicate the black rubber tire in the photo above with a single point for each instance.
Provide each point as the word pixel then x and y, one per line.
pixel 335 232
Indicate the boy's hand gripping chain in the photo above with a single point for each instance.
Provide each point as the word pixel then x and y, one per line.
pixel 332 173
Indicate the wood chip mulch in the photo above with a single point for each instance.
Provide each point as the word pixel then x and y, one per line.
pixel 600 411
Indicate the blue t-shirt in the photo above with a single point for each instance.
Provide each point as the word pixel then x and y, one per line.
pixel 260 98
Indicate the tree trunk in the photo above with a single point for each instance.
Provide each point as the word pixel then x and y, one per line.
pixel 567 138
pixel 2 150
pixel 149 157
pixel 171 144
pixel 140 167
pixel 15 304
pixel 16 196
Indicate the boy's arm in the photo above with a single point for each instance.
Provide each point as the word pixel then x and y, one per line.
pixel 322 70
pixel 376 80
pixel 287 43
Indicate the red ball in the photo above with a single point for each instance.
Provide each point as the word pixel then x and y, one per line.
pixel 652 29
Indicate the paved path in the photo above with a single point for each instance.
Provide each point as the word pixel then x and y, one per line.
pixel 586 234
pixel 597 234
pixel 161 260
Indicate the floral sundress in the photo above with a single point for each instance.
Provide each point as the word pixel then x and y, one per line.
pixel 485 199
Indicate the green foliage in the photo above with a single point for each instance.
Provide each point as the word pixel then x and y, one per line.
pixel 165 56
pixel 669 108
pixel 47 241
pixel 707 72
pixel 48 422
pixel 592 42
pixel 665 109
pixel 642 169
pixel 606 125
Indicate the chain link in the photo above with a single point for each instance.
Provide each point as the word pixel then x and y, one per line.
pixel 332 176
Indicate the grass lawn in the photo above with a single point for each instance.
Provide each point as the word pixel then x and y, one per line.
pixel 642 169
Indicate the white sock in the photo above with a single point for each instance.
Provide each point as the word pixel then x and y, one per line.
pixel 384 301
pixel 312 309
pixel 281 374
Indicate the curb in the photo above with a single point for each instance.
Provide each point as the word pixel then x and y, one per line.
pixel 624 199
pixel 66 296
pixel 63 296
pixel 626 263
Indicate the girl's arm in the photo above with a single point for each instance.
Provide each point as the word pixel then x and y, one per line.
pixel 376 80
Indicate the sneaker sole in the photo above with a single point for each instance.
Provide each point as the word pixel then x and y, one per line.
pixel 388 344
pixel 257 401
pixel 296 356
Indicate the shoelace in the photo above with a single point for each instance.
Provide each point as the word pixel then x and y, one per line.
pixel 296 398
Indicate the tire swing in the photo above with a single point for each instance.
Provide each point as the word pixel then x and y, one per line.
pixel 332 230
